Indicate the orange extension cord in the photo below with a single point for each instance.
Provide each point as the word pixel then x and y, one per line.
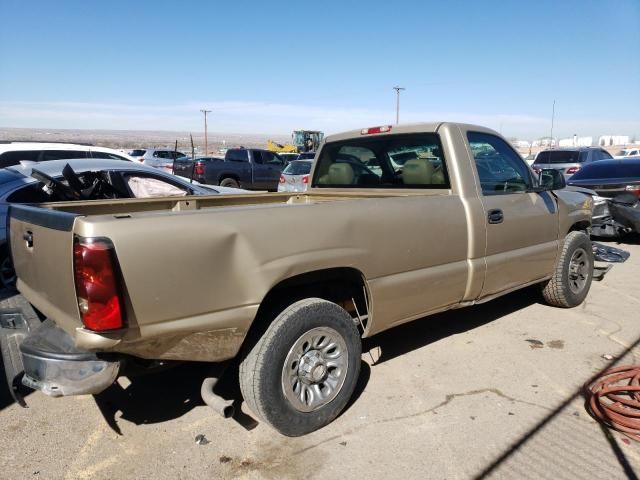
pixel 613 398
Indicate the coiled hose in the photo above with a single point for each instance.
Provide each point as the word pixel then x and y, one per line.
pixel 613 398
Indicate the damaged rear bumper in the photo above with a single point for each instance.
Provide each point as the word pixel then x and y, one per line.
pixel 45 358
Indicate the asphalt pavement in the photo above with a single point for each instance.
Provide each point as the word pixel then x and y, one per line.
pixel 487 391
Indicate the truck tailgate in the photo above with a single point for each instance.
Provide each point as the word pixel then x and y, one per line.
pixel 41 242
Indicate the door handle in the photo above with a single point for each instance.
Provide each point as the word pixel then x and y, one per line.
pixel 495 216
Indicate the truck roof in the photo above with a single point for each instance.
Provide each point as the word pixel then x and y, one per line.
pixel 420 127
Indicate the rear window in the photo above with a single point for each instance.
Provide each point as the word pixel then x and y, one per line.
pixel 137 153
pixel 608 170
pixel 297 168
pixel 412 160
pixel 561 156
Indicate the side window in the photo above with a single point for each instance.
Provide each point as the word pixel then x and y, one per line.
pixel 237 155
pixel 412 160
pixel 271 158
pixel 62 154
pixel 500 169
pixel 110 156
pixel 604 155
pixel 257 156
pixel 13 158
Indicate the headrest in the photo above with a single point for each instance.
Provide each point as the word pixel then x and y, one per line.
pixel 340 174
pixel 417 172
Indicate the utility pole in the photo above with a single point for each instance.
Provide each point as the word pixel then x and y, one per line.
pixel 206 144
pixel 553 114
pixel 397 89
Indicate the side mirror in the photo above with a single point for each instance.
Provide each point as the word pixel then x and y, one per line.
pixel 551 179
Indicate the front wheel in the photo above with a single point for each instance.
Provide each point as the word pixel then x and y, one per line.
pixel 302 372
pixel 572 278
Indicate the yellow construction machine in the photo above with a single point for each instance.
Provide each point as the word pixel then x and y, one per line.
pixel 301 141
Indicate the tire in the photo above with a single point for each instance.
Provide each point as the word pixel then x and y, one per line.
pixel 7 273
pixel 229 182
pixel 285 380
pixel 572 278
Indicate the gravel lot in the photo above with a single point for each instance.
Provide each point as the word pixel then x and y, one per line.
pixel 464 394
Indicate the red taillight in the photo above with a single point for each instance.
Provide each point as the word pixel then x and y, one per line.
pixel 199 169
pixel 96 285
pixel 282 179
pixel 369 131
pixel 572 170
pixel 635 189
pixel 305 179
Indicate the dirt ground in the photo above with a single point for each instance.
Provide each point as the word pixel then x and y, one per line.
pixel 488 391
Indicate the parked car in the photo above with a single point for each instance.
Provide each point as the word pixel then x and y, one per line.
pixel 215 279
pixel 295 177
pixel 250 168
pixel 162 158
pixel 569 160
pixel 128 180
pixel 618 182
pixel 627 153
pixel 12 153
pixel 609 178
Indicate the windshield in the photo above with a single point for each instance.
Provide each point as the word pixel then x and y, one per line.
pixel 297 168
pixel 561 156
pixel 137 153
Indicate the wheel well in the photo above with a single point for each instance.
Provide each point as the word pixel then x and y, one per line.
pixel 582 226
pixel 229 175
pixel 342 286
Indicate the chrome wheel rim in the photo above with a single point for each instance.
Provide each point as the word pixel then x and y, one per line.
pixel 578 270
pixel 315 369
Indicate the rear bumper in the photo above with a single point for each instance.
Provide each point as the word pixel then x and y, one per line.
pixel 45 358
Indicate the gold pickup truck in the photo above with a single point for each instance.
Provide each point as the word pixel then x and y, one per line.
pixel 399 222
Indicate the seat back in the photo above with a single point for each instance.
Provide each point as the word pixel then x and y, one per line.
pixel 417 171
pixel 340 174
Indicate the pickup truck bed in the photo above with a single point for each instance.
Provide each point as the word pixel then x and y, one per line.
pixel 444 223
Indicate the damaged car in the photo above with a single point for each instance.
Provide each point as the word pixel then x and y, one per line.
pixel 84 179
pixel 617 187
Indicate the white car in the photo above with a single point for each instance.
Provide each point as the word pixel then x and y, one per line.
pixel 12 153
pixel 628 152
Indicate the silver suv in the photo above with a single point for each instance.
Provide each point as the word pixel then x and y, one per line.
pixel 156 157
pixel 569 160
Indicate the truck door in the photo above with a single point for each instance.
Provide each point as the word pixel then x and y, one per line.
pixel 266 169
pixel 522 226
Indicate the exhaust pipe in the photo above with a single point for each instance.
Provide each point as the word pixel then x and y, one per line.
pixel 215 401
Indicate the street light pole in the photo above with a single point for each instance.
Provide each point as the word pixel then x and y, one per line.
pixel 397 89
pixel 553 115
pixel 206 142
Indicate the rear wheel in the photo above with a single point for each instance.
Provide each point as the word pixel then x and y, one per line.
pixel 571 280
pixel 229 182
pixel 300 375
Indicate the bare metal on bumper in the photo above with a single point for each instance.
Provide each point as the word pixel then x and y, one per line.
pixel 55 366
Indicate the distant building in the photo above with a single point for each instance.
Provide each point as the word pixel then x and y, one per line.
pixel 609 140
pixel 576 141
pixel 521 144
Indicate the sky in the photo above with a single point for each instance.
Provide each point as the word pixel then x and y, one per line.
pixel 272 66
